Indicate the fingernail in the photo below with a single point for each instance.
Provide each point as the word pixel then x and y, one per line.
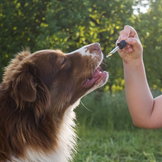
pixel 129 39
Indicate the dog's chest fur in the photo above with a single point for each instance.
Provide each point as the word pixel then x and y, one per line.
pixel 66 142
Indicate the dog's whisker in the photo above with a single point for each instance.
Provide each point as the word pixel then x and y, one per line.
pixel 85 106
pixel 104 64
pixel 98 92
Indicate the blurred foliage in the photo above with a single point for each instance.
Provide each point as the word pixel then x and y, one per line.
pixel 150 29
pixel 106 111
pixel 20 22
pixel 84 22
pixel 68 25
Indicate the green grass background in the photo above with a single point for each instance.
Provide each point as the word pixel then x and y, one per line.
pixel 106 132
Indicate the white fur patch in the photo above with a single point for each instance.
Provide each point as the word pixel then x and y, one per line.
pixel 84 52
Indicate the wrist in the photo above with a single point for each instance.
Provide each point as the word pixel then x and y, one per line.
pixel 133 63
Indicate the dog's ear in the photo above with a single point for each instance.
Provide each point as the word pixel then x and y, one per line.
pixel 28 88
pixel 24 85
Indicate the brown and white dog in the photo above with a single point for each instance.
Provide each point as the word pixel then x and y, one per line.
pixel 37 97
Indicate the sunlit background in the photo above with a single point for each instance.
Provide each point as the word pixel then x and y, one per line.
pixel 143 7
pixel 104 125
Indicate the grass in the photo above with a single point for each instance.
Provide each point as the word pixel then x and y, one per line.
pixel 104 110
pixel 106 132
pixel 98 145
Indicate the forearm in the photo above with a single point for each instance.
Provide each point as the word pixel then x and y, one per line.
pixel 139 98
pixel 146 111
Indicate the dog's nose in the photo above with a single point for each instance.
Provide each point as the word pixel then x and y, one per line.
pixel 96 46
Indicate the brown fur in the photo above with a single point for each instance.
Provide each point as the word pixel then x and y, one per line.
pixel 35 92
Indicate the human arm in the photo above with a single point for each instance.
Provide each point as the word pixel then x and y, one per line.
pixel 146 112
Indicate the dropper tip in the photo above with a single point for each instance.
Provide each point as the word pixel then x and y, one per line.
pixel 109 55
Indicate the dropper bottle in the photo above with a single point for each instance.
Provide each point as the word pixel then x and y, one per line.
pixel 120 45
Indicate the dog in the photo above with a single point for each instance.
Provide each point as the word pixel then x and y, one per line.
pixel 38 94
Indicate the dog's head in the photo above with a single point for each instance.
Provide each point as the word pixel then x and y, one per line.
pixel 36 91
pixel 51 78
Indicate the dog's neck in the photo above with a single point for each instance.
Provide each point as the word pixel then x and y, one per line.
pixel 66 142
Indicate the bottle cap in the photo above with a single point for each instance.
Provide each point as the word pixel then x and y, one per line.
pixel 122 44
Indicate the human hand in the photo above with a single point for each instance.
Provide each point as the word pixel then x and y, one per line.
pixel 134 49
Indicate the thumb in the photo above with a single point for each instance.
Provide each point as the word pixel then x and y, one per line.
pixel 135 42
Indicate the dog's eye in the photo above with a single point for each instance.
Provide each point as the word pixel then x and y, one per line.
pixel 63 61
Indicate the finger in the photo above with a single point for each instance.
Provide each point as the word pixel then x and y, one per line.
pixel 123 35
pixel 121 32
pixel 128 45
pixel 127 49
pixel 134 42
pixel 128 30
pixel 119 39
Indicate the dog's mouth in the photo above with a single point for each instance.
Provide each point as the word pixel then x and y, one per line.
pixel 96 77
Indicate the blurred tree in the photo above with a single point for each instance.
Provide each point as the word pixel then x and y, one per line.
pixel 150 32
pixel 20 22
pixel 68 25
pixel 72 24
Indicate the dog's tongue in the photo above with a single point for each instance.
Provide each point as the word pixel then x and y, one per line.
pixel 89 82
pixel 96 72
